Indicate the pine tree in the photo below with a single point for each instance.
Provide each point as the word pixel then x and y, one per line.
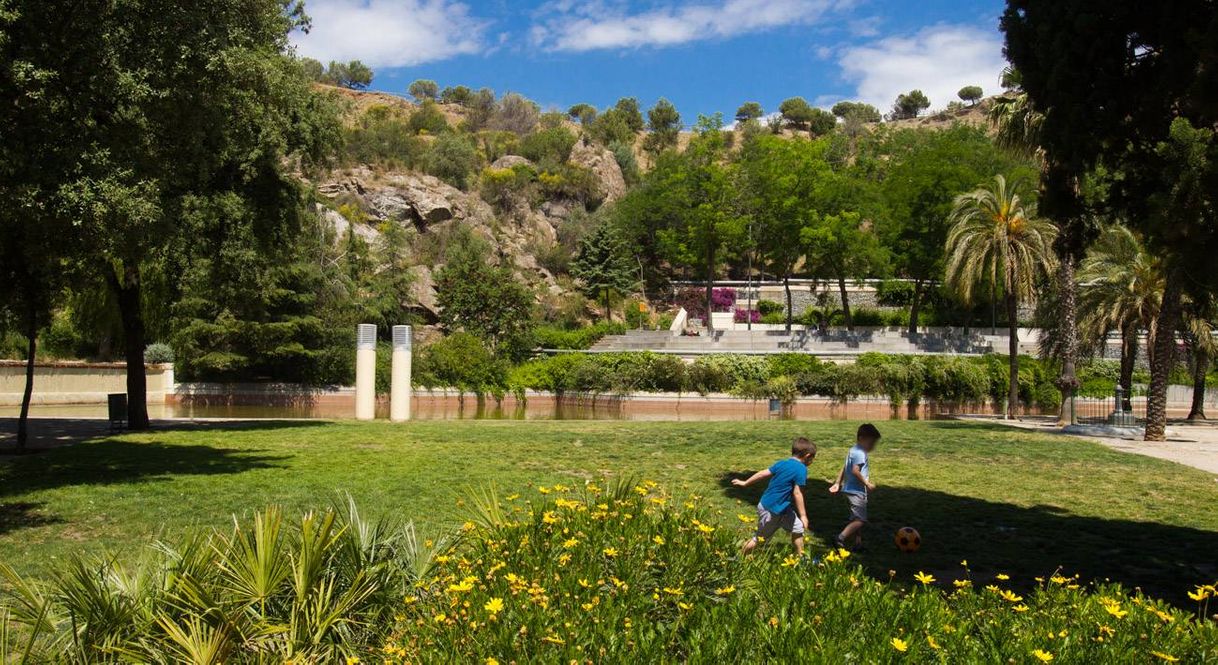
pixel 603 265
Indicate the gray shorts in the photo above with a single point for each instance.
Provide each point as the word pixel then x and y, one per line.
pixel 858 507
pixel 787 520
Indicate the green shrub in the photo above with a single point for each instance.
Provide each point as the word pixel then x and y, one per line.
pixel 428 119
pixel 323 587
pixel 793 364
pixel 736 368
pixel 550 337
pixel 452 158
pixel 770 307
pixel 158 353
pixel 549 148
pixel 867 317
pixel 774 318
pixel 894 293
pixel 461 361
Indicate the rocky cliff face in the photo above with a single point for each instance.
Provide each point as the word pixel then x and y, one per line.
pixel 431 210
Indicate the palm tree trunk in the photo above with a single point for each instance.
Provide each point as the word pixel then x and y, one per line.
pixel 1068 382
pixel 915 308
pixel 710 287
pixel 1129 357
pixel 1162 357
pixel 1201 367
pixel 786 285
pixel 1013 351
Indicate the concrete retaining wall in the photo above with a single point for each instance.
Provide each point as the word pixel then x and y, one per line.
pixel 79 382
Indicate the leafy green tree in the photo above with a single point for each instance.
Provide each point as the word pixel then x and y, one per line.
pixel 194 119
pixel 424 89
pixel 749 111
pixel 460 95
pixel 483 299
pixel 996 237
pixel 909 105
pixel 860 111
pixel 821 122
pixel 603 266
pixel 1126 92
pixel 613 127
pixel 839 247
pixel 970 94
pixel 313 69
pixel 549 148
pixel 584 113
pixel 663 126
pixel 797 112
pixel 355 74
pixel 453 158
pixel 428 119
pixel 628 107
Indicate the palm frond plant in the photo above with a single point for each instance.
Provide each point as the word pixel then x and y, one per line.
pixel 995 237
pixel 1120 288
pixel 1198 328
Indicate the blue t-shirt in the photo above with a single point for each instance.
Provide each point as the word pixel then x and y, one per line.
pixel 850 483
pixel 787 474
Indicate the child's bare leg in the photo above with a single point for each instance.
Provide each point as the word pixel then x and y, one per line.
pixel 852 530
pixel 797 539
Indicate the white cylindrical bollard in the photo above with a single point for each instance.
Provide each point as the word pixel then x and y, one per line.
pixel 365 372
pixel 399 387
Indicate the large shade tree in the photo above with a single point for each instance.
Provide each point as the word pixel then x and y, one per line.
pixel 154 109
pixel 997 239
pixel 1123 83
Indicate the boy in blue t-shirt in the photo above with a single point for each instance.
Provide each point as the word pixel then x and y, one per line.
pixel 782 503
pixel 854 481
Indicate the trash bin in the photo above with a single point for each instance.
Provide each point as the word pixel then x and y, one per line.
pixel 116 404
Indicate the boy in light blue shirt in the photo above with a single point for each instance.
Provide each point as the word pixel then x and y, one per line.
pixel 782 503
pixel 854 481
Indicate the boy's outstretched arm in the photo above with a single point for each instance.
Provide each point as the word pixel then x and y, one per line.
pixel 837 484
pixel 760 475
pixel 797 496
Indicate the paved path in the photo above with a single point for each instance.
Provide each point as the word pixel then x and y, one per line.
pixel 1194 445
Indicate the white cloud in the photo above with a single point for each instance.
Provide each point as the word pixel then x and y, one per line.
pixel 588 26
pixel 390 33
pixel 938 60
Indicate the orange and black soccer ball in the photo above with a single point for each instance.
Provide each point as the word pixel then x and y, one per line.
pixel 908 539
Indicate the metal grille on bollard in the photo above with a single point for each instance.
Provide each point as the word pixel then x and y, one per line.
pixel 399 390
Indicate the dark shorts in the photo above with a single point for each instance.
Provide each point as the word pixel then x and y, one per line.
pixel 858 507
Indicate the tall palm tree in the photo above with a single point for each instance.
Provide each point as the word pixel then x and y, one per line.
pixel 1018 126
pixel 1120 288
pixel 996 237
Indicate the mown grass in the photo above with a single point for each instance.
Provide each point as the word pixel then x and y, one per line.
pixel 1004 500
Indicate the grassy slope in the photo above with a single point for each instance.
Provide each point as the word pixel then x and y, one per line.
pixel 1005 500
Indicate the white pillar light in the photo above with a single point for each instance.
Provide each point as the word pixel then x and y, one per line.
pixel 399 390
pixel 365 371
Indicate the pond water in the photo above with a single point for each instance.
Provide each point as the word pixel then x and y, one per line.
pixel 655 408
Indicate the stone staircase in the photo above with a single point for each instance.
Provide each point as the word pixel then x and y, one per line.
pixel 841 345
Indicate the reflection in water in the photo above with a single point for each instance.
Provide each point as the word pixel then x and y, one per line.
pixel 639 407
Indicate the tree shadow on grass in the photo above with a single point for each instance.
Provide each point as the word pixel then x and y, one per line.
pixel 1024 542
pixel 23 515
pixel 118 461
pixel 49 433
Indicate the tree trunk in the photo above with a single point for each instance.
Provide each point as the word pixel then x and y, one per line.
pixel 1067 383
pixel 710 286
pixel 841 286
pixel 915 308
pixel 1013 350
pixel 31 352
pixel 1201 366
pixel 1129 358
pixel 608 314
pixel 1162 356
pixel 128 291
pixel 786 285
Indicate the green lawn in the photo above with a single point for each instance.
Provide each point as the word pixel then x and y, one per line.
pixel 1005 500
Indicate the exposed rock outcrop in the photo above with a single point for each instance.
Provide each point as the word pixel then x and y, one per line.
pixel 604 165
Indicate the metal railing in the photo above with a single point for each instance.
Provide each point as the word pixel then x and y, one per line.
pixel 1119 410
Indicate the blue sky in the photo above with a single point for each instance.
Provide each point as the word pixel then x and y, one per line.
pixel 703 55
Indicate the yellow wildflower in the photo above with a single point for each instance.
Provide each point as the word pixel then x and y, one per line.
pixel 569 543
pixel 774 622
pixel 549 517
pixel 747 519
pixel 685 606
pixel 924 578
pixel 705 528
pixel 1010 596
pixel 491 661
pixel 1199 595
pixel 352 660
pixel 543 490
pixel 1042 656
pixel 962 584
pixel 658 540
pixel 1114 608
pixel 1164 657
pixel 723 591
pixel 553 639
pixel 440 618
pixel 674 591
pixel 790 562
pixel 564 558
pixel 1002 576
pixel 584 583
pixel 900 644
pixel 588 606
pixel 932 643
pixel 494 605
pixel 1020 608
pixel 610 552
